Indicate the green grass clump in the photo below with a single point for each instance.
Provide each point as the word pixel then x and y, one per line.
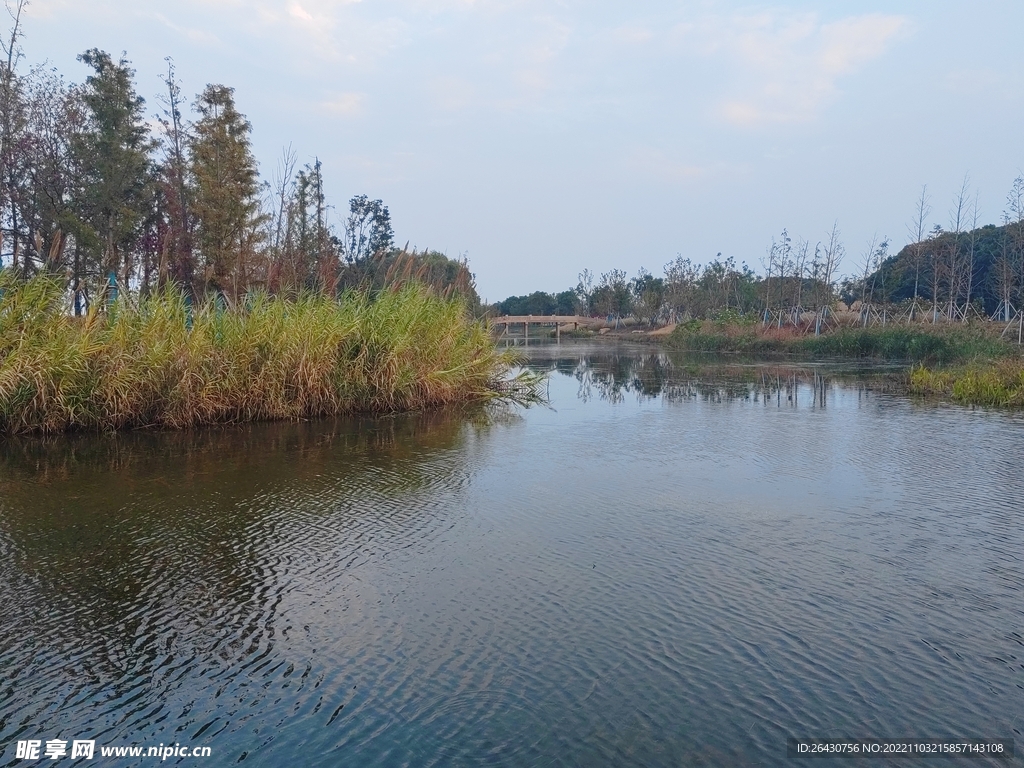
pixel 998 384
pixel 142 366
pixel 722 336
pixel 575 333
pixel 940 345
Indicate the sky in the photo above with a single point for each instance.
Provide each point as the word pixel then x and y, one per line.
pixel 538 138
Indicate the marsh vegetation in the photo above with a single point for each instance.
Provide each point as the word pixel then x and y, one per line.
pixel 159 362
pixel 939 345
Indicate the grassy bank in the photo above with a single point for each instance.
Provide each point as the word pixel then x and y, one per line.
pixel 999 383
pixel 936 346
pixel 278 359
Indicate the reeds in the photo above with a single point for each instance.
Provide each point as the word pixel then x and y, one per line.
pixel 940 345
pixel 143 365
pixel 897 343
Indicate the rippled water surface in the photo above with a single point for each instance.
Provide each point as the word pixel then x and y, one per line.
pixel 673 565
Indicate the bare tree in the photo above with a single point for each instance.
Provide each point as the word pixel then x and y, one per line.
pixel 10 107
pixel 834 252
pixel 1010 266
pixel 881 256
pixel 769 265
pixel 778 260
pixel 827 258
pixel 799 271
pixel 917 231
pixel 972 246
pixel 935 262
pixel 869 263
pixel 281 218
pixel 584 291
pixel 958 216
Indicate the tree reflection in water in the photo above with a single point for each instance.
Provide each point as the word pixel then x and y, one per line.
pixel 612 375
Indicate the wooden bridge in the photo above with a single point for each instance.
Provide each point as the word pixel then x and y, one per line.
pixel 556 320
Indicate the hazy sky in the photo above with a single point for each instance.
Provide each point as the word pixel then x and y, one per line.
pixel 540 137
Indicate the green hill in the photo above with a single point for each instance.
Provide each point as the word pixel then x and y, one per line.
pixel 982 267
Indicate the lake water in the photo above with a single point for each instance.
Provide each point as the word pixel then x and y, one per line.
pixel 672 565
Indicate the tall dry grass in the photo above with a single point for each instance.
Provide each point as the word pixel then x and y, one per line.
pixel 141 366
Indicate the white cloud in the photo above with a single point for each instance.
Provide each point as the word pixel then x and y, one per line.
pixel 297 11
pixel 787 67
pixel 527 55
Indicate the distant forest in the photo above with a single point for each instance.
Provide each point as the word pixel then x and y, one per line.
pixel 955 272
pixel 90 192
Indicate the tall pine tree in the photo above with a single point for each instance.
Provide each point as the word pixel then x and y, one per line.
pixel 114 156
pixel 225 197
pixel 177 263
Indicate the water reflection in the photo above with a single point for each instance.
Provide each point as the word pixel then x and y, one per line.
pixel 612 375
pixel 130 563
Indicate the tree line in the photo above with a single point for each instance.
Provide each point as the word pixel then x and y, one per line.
pixel 95 193
pixel 795 275
pixel 952 273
